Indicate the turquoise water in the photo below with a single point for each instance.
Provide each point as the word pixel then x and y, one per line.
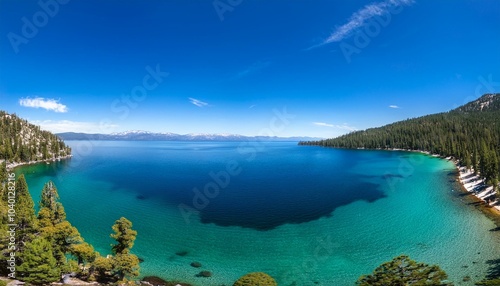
pixel 305 215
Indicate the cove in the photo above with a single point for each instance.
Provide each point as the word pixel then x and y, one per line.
pixel 305 215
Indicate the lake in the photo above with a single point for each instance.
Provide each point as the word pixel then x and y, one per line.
pixel 305 215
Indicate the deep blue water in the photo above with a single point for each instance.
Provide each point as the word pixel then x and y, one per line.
pixel 239 207
pixel 248 186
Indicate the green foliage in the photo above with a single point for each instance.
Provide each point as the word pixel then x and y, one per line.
pixel 103 267
pixel 39 266
pixel 470 133
pixel 493 282
pixel 3 283
pixel 256 279
pixel 84 252
pixel 404 271
pixel 3 172
pixel 125 266
pixel 62 236
pixel 492 274
pixel 25 214
pixel 50 200
pixel 54 226
pixel 4 220
pixel 21 141
pixel 124 235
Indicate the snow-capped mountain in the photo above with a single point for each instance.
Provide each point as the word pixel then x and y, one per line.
pixel 141 135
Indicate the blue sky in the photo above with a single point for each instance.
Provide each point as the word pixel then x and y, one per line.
pixel 236 66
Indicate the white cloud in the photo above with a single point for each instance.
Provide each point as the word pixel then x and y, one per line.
pixel 322 124
pixel 362 16
pixel 252 106
pixel 59 126
pixel 40 102
pixel 197 102
pixel 394 106
pixel 337 126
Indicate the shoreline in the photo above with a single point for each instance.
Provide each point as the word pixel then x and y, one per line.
pixel 468 182
pixel 475 185
pixel 471 184
pixel 11 166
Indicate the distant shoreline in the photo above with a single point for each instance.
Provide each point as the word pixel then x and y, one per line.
pixel 11 166
pixel 467 181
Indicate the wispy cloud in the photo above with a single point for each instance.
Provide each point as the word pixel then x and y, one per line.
pixel 362 16
pixel 59 126
pixel 344 126
pixel 255 67
pixel 323 124
pixel 252 106
pixel 394 106
pixel 40 102
pixel 197 102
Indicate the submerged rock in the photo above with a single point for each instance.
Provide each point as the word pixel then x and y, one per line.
pixel 182 253
pixel 204 274
pixel 157 281
pixel 196 264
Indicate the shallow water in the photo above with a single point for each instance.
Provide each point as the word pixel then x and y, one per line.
pixel 305 215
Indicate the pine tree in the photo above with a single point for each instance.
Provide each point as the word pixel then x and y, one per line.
pixel 470 131
pixel 124 235
pixel 125 264
pixel 84 252
pixel 62 237
pixel 4 219
pixel 3 172
pixel 54 226
pixel 21 141
pixel 475 162
pixel 39 266
pixel 50 200
pixel 25 214
pixel 494 165
pixel 467 160
pixel 103 266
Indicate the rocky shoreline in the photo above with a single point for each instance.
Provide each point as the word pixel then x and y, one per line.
pixel 11 166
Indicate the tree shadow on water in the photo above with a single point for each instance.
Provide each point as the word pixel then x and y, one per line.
pixel 493 269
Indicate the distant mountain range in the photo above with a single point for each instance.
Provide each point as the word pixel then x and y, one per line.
pixel 469 133
pixel 140 135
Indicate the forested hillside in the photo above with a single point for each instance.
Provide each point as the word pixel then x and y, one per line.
pixel 470 133
pixel 21 141
pixel 41 247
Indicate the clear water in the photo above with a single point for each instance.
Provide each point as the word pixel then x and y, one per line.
pixel 305 215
